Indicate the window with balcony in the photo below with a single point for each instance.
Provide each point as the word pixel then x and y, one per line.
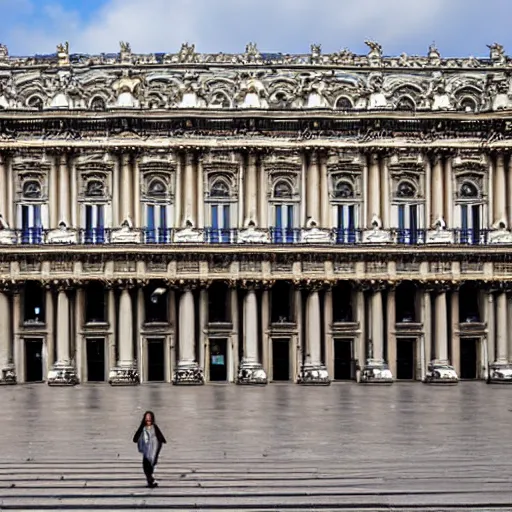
pixel 283 213
pixel 345 212
pixel 220 210
pixel 158 212
pixel 93 212
pixel 407 213
pixel 470 213
pixel 31 212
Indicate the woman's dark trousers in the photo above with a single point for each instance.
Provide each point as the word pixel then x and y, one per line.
pixel 148 470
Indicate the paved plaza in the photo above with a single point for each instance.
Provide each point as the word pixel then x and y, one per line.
pixel 280 447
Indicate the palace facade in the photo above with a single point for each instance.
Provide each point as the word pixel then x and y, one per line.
pixel 255 218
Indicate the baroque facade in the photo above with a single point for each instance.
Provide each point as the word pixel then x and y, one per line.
pixel 255 218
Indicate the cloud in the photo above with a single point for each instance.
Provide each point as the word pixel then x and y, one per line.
pixel 287 26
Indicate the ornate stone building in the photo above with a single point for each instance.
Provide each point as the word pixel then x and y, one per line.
pixel 255 218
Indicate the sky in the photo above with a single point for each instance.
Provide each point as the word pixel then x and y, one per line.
pixel 458 27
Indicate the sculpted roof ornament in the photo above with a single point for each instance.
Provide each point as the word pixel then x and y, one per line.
pixel 497 54
pixel 252 53
pixel 63 54
pixel 4 53
pixel 187 53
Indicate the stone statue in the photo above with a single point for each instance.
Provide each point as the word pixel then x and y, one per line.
pixel 434 57
pixel 250 235
pixel 375 53
pixel 126 88
pixel 187 53
pixel 316 52
pixel 377 97
pixel 125 47
pixel 191 93
pixel 188 234
pixel 62 235
pixel 63 54
pixel 251 92
pixel 438 93
pixel 126 234
pixel 313 235
pixel 252 54
pixel 497 54
pixel 4 53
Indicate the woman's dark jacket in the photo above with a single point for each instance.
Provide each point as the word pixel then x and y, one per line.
pixel 159 436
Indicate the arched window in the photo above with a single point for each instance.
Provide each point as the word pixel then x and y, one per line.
pixel 32 190
pixel 95 188
pixel 406 189
pixel 219 189
pixel 282 190
pixel 157 188
pixel 98 104
pixel 35 102
pixel 343 190
pixel 468 104
pixel 468 190
pixel 405 104
pixel 343 104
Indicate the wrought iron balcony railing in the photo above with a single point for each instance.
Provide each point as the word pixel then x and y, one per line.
pixel 235 236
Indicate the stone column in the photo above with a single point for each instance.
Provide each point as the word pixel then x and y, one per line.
pixel 313 189
pixel 427 328
pixel 325 218
pixel 187 370
pixel 64 191
pixel 360 350
pixel 126 187
pixel 391 330
pixel 441 329
pixel 63 372
pixel 377 327
pixel 313 371
pixel 251 370
pixel 437 195
pixel 125 373
pixel 491 326
pixel 454 330
pixel 385 194
pixel 376 370
pixel 189 189
pixel 53 193
pixel 373 189
pixel 251 190
pixel 200 194
pixel 3 189
pixel 500 191
pixel 502 328
pixel 509 192
pixel 7 370
pixel 448 193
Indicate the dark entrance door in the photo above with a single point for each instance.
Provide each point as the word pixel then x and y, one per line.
pixel 96 360
pixel 405 359
pixel 343 359
pixel 33 360
pixel 218 360
pixel 156 360
pixel 281 359
pixel 468 358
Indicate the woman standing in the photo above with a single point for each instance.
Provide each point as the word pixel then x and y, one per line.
pixel 149 439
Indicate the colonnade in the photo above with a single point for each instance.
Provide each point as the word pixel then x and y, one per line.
pixel 375 331
pixel 313 188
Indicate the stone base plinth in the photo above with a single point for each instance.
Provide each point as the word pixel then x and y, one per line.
pixel 124 376
pixel 376 372
pixel 8 375
pixel 441 372
pixel 500 372
pixel 251 373
pixel 188 374
pixel 314 375
pixel 62 375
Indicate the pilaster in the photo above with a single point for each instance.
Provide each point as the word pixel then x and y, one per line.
pixel 7 369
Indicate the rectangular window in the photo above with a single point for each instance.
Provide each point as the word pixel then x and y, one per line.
pixel 284 229
pixel 94 224
pixel 409 222
pixel 471 223
pixel 31 224
pixel 220 223
pixel 345 224
pixel 157 222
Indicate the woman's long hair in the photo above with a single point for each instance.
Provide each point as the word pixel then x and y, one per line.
pixel 152 414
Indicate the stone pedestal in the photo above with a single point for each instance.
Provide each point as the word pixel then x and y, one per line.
pixel 63 372
pixel 188 372
pixel 313 372
pixel 8 375
pixel 125 373
pixel 376 372
pixel 250 370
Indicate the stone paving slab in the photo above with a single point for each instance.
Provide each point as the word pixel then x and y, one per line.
pixel 405 447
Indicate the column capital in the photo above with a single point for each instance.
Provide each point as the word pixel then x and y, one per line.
pixel 440 286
